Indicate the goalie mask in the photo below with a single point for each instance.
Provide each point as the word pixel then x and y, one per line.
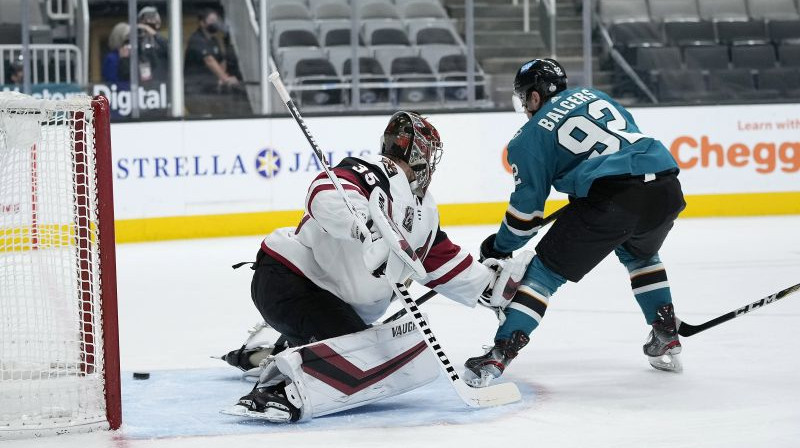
pixel 415 141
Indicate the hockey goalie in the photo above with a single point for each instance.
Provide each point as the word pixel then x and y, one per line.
pixel 323 284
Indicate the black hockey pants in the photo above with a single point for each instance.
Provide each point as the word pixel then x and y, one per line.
pixel 296 307
pixel 619 211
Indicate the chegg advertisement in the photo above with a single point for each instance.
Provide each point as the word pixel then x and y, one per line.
pixel 730 149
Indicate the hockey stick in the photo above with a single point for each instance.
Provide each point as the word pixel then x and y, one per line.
pixel 476 397
pixel 685 329
pixel 400 313
pixel 275 79
pixel 431 294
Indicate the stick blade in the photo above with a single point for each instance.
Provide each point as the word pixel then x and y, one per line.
pixel 484 397
pixel 685 329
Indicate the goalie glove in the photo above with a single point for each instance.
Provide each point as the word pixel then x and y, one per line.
pixel 374 251
pixel 507 278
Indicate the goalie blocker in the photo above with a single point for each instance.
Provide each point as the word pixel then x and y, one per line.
pixel 340 373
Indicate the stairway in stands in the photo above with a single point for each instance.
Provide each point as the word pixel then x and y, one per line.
pixel 501 45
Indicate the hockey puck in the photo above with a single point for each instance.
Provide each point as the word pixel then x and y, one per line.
pixel 141 375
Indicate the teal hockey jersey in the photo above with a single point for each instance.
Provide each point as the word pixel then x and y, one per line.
pixel 578 136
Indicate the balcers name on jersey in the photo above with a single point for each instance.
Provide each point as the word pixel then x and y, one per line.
pixel 569 103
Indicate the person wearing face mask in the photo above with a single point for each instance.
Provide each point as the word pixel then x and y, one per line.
pixel 153 48
pixel 205 70
pixel 624 198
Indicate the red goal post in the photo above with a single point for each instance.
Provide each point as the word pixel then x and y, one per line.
pixel 59 338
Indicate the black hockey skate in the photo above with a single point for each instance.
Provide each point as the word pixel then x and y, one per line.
pixel 481 370
pixel 663 346
pixel 266 403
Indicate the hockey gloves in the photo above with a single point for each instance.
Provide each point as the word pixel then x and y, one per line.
pixel 508 276
pixel 488 250
pixel 374 251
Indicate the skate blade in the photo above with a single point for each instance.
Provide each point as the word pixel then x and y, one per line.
pixel 474 380
pixel 669 362
pixel 270 415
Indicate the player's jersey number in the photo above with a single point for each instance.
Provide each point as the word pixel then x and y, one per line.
pixel 368 175
pixel 592 133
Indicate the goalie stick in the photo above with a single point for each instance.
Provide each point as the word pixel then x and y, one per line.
pixel 685 329
pixel 494 395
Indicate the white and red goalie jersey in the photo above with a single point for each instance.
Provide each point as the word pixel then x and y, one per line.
pixel 323 249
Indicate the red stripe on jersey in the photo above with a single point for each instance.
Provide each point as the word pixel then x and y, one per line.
pixel 422 251
pixel 302 221
pixel 348 175
pixel 440 253
pixel 461 267
pixel 281 259
pixel 325 187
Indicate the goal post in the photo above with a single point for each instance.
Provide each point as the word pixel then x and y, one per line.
pixel 59 343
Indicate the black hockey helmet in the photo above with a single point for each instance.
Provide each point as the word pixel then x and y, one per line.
pixel 412 139
pixel 545 76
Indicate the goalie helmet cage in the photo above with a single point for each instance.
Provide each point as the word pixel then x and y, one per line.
pixel 59 348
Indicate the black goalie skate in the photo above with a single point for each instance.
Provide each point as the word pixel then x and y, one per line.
pixel 663 346
pixel 481 370
pixel 266 403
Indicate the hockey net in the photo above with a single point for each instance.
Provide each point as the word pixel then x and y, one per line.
pixel 59 361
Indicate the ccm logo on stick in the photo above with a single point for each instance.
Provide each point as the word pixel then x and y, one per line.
pixel 760 303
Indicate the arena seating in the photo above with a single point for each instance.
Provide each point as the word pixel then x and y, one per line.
pixel 400 41
pixel 51 63
pixel 699 50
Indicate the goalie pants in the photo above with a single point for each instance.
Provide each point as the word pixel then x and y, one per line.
pixel 296 307
pixel 625 211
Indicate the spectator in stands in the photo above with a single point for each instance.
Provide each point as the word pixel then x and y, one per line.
pixel 116 68
pixel 14 73
pixel 153 48
pixel 231 59
pixel 208 85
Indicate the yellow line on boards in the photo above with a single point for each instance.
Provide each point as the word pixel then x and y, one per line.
pixel 203 226
pixel 742 204
pixel 483 213
pixel 261 223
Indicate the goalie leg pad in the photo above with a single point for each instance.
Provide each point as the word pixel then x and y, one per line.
pixel 357 369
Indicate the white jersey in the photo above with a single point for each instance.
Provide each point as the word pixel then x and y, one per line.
pixel 322 248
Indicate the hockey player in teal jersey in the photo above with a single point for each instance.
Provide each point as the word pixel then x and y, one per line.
pixel 624 197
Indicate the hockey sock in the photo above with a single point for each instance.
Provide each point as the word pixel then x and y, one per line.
pixel 527 308
pixel 648 282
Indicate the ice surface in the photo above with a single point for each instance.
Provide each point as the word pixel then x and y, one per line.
pixel 584 380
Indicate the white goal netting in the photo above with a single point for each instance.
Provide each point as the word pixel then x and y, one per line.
pixel 51 342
